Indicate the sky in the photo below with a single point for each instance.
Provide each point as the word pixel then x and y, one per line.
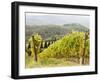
pixel 57 19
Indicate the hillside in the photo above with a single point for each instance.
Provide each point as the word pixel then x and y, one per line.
pixel 66 51
pixel 76 27
pixel 71 44
pixel 49 31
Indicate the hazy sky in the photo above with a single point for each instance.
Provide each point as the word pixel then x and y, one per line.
pixel 58 19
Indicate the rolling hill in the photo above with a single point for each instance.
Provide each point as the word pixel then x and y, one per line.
pixel 49 31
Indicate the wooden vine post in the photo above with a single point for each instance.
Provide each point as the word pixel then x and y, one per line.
pixel 36 41
pixel 34 48
pixel 83 55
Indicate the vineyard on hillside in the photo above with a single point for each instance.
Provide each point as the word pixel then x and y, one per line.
pixel 72 49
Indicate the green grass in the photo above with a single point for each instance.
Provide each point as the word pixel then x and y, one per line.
pixel 50 62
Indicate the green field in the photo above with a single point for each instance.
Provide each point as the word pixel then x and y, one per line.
pixel 70 50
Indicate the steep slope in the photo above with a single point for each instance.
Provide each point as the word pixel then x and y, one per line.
pixel 70 45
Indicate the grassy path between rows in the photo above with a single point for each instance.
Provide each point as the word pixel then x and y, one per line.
pixel 50 62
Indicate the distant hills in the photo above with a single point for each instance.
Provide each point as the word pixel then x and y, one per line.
pixel 49 31
pixel 76 26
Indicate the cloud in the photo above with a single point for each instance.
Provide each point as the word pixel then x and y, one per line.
pixel 60 19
